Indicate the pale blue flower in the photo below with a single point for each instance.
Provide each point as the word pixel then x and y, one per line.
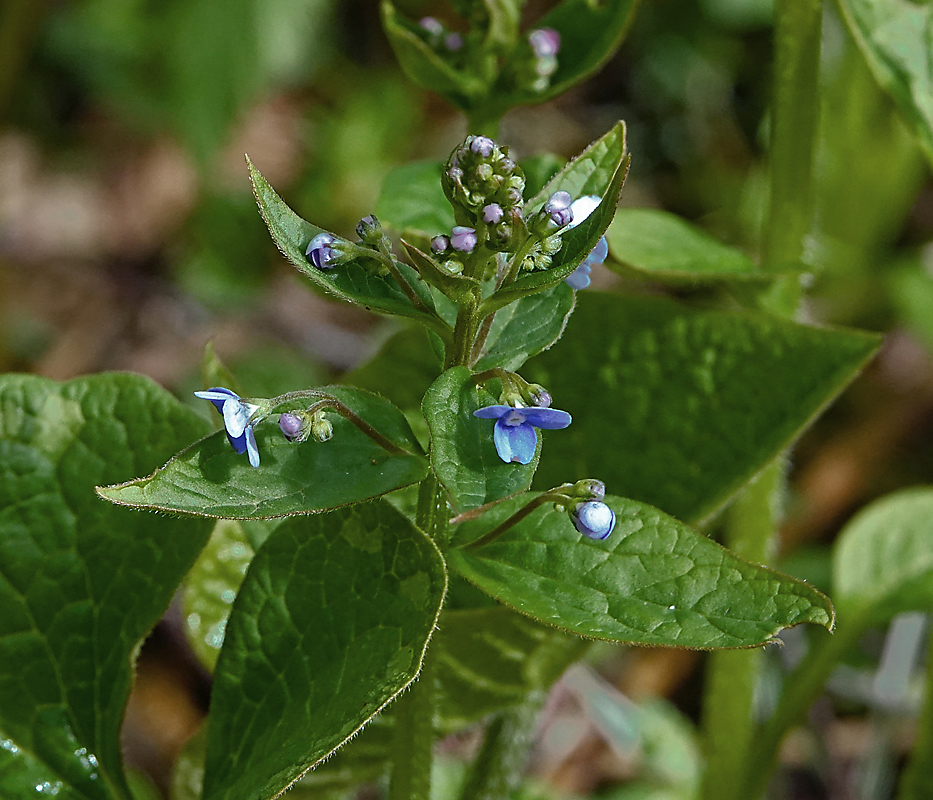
pixel 514 434
pixel 236 414
pixel 581 209
pixel 594 519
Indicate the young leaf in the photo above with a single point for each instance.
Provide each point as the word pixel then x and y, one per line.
pixel 896 39
pixel 352 281
pixel 599 170
pixel 526 327
pixel 329 625
pixel 883 559
pixel 412 201
pixel 463 453
pixel 491 658
pixel 209 479
pixel 653 581
pixel 454 286
pixel 82 581
pixel 680 407
pixel 658 245
pixel 211 588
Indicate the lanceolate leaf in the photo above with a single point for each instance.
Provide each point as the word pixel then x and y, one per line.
pixel 599 170
pixel 209 479
pixel 659 245
pixel 353 281
pixel 463 453
pixel 82 581
pixel 412 201
pixel 896 38
pixel 883 559
pixel 526 327
pixel 680 407
pixel 330 624
pixel 653 581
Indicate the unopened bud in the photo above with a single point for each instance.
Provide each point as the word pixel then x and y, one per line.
pixel 369 229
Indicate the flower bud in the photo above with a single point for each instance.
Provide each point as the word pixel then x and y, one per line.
pixel 492 213
pixel 369 229
pixel 482 146
pixel 539 396
pixel 453 42
pixel 463 239
pixel 593 519
pixel 294 426
pixel 321 429
pixel 439 244
pixel 545 42
pixel 321 251
pixel 558 208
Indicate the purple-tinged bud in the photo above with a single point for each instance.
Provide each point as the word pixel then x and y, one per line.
pixel 484 172
pixel 321 251
pixel 455 174
pixel 507 165
pixel 463 239
pixel 539 396
pixel 369 229
pixel 453 42
pixel 594 519
pixel 291 425
pixel 432 26
pixel 492 213
pixel 545 42
pixel 514 196
pixel 439 244
pixel 558 208
pixel 482 146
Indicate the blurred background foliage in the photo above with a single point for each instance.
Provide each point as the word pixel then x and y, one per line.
pixel 129 238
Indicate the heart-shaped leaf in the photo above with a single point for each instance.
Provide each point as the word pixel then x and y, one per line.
pixel 329 625
pixel 209 479
pixel 679 407
pixel 463 453
pixel 82 581
pixel 353 280
pixel 653 581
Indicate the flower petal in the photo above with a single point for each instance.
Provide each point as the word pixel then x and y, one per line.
pixel 579 278
pixel 547 418
pixel 492 412
pixel 239 443
pixel 251 447
pixel 236 417
pixel 582 207
pixel 515 442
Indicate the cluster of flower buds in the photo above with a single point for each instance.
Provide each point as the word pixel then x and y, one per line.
pixel 438 36
pixel 299 426
pixel 485 188
pixel 545 45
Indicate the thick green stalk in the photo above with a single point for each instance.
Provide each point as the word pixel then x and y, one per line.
pixel 751 527
pixel 498 767
pixel 413 739
pixel 727 724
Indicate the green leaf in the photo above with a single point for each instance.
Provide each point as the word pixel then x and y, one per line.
pixel 211 588
pixel 454 286
pixel 680 407
pixel 896 39
pixel 599 170
pixel 330 624
pixel 413 202
pixel 424 66
pixel 654 581
pixel 661 246
pixel 21 775
pixel 463 454
pixel 526 327
pixel 82 581
pixel 352 281
pixel 209 479
pixel 539 170
pixel 883 559
pixel 490 658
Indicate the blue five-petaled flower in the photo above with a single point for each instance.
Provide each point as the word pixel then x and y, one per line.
pixel 236 416
pixel 514 433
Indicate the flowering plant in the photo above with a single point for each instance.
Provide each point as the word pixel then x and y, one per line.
pixel 394 559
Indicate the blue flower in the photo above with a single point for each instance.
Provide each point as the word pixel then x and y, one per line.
pixel 581 209
pixel 514 433
pixel 594 519
pixel 236 416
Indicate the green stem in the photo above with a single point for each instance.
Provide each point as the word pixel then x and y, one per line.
pixel 498 767
pixel 413 739
pixel 547 497
pixel 731 674
pixel 801 688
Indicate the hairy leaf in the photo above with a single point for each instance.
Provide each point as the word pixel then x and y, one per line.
pixel 653 581
pixel 413 202
pixel 82 581
pixel 209 479
pixel 679 407
pixel 329 625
